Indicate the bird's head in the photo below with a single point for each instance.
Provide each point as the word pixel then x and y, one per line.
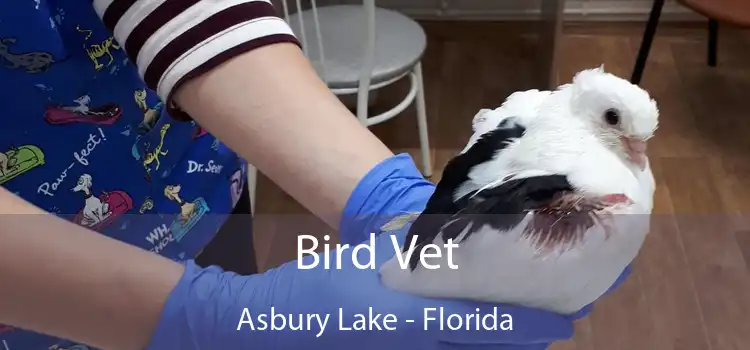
pixel 623 115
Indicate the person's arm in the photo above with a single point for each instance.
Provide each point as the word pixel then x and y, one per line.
pixel 61 279
pixel 237 69
pixel 64 280
pixel 271 107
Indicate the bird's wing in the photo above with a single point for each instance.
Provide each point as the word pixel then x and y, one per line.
pixel 441 205
pixel 503 207
pixel 493 130
pixel 524 103
pixel 520 107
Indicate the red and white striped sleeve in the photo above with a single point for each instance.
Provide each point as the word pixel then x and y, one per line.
pixel 171 41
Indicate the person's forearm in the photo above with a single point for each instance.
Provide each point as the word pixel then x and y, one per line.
pixel 270 106
pixel 64 280
pixel 236 68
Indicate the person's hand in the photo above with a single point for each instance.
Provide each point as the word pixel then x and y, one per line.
pixel 208 311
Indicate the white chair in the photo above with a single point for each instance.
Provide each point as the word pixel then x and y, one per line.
pixel 358 49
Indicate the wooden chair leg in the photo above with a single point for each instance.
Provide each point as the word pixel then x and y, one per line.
pixel 648 37
pixel 713 38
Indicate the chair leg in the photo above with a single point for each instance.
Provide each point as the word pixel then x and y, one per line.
pixel 252 180
pixel 424 143
pixel 648 37
pixel 713 38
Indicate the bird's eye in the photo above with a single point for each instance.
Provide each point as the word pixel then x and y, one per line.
pixel 612 116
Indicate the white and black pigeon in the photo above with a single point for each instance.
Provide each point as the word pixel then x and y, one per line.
pixel 548 203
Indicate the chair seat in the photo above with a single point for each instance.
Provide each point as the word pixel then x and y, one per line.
pixel 399 43
pixel 736 12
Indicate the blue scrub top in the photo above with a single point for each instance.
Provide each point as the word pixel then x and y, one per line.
pixel 82 137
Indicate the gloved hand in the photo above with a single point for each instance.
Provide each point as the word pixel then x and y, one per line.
pixel 206 308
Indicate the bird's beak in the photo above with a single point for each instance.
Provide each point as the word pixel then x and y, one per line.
pixel 636 150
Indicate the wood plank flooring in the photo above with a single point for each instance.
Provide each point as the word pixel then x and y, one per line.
pixel 690 289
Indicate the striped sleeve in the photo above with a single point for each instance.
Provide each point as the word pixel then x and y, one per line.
pixel 171 41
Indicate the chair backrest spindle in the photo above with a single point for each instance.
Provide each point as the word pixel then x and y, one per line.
pixel 302 26
pixel 367 49
pixel 368 56
pixel 319 35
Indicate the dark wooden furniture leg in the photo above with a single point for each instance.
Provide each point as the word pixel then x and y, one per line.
pixel 713 38
pixel 648 37
pixel 550 35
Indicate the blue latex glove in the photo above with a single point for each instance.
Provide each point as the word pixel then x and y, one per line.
pixel 205 309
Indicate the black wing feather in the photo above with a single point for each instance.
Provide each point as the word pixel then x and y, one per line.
pixel 502 207
pixel 441 207
pixel 505 206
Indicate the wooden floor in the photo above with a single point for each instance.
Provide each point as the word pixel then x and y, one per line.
pixel 690 289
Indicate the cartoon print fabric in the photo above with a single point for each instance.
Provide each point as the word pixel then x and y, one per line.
pixel 82 137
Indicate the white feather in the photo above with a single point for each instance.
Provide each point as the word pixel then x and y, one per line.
pixel 505 267
pixel 522 105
